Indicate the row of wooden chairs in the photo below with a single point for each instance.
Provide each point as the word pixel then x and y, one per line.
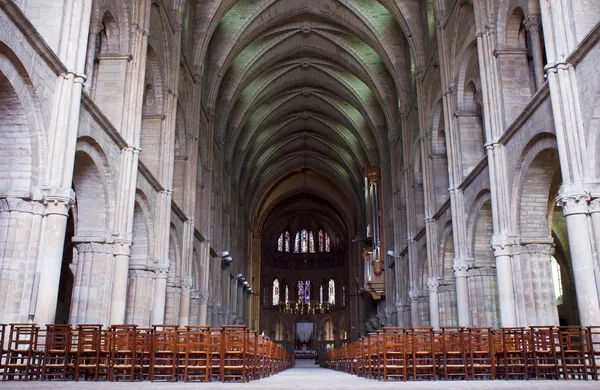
pixel 422 353
pixel 128 353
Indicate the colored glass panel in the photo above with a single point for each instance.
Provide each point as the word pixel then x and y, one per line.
pixel 297 243
pixel 276 292
pixel 321 241
pixel 304 241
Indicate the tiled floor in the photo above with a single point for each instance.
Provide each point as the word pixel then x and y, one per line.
pixel 309 377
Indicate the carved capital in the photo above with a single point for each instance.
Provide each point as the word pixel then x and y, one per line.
pixel 186 282
pixel 572 204
pixel 122 248
pixel 94 247
pixel 594 206
pixel 546 249
pixel 433 284
pixel 161 271
pixel 503 248
pixel 203 297
pixel 21 206
pixel 533 23
pixel 415 293
pixel 462 265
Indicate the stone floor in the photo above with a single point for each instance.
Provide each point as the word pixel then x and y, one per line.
pixel 306 376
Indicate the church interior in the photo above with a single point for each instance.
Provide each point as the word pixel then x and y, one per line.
pixel 312 171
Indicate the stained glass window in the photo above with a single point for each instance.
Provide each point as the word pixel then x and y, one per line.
pixel 327 243
pixel 280 243
pixel 332 292
pixel 343 295
pixel 297 243
pixel 300 291
pixel 287 295
pixel 287 242
pixel 304 241
pixel 275 292
pixel 321 295
pixel 307 291
pixel 321 243
pixel 311 243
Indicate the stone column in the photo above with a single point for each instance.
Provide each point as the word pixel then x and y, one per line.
pixel 575 208
pixel 595 213
pixel 571 136
pixel 433 284
pixel 402 317
pixel 160 294
pixel 184 311
pixel 533 24
pixel 94 268
pixel 50 258
pixel 504 273
pixel 62 133
pixel 120 279
pixel 194 308
pixel 461 269
pixel 203 308
pixel 534 293
pixel 215 322
pixel 21 225
pixel 139 296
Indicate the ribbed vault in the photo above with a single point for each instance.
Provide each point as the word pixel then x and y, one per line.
pixel 297 86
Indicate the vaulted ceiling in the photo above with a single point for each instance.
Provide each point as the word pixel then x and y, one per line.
pixel 305 86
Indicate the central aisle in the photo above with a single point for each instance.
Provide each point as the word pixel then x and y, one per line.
pixel 306 375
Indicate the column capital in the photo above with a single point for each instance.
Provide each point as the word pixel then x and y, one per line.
pixel 533 23
pixel 22 206
pixel 94 247
pixel 546 249
pixel 594 206
pixel 433 283
pixel 575 203
pixel 203 296
pixel 161 271
pixel 122 248
pixel 462 265
pixel 502 245
pixel 415 294
pixel 186 282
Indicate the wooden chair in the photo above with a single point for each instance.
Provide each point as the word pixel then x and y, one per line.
pixel 543 352
pixel 215 353
pixel 123 352
pixel 143 351
pixel 422 363
pixel 22 360
pixel 234 339
pixel 394 356
pixel 91 358
pixel 454 356
pixel 252 360
pixel 512 349
pixel 196 364
pixel 593 351
pixel 163 354
pixel 2 348
pixel 481 356
pixel 573 346
pixel 57 352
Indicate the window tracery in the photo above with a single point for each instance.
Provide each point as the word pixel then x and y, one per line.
pixel 305 242
pixel 331 294
pixel 275 292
